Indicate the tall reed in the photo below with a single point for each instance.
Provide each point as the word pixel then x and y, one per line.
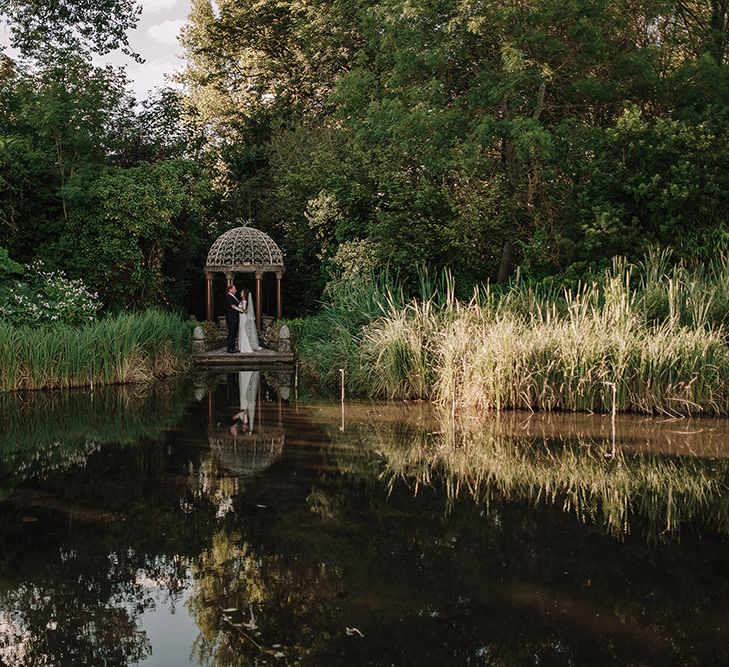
pixel 129 347
pixel 648 338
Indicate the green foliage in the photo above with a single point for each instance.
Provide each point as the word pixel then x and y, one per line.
pixel 134 238
pixel 386 134
pixel 45 297
pixel 435 132
pixel 42 28
pixel 91 187
pixel 653 332
pixel 654 182
pixel 134 347
pixel 7 265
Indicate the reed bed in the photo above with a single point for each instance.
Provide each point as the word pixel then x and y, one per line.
pixel 121 349
pixel 648 338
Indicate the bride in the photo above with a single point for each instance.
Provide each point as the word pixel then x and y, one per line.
pixel 250 324
pixel 244 343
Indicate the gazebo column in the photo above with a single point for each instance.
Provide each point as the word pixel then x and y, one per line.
pixel 279 308
pixel 259 294
pixel 209 296
pixel 229 276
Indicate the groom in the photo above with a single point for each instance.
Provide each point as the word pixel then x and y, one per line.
pixel 232 316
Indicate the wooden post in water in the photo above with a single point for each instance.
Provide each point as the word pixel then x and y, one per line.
pixel 613 413
pixel 260 407
pixel 341 370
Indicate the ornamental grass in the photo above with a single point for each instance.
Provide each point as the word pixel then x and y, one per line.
pixel 647 338
pixel 125 348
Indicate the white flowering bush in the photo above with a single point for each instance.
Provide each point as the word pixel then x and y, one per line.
pixel 45 297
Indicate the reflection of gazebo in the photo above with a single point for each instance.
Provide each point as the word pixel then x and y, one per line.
pixel 244 250
pixel 248 454
pixel 255 443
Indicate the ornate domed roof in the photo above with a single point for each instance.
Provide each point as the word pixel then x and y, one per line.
pixel 244 249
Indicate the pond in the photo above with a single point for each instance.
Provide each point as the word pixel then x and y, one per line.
pixel 223 520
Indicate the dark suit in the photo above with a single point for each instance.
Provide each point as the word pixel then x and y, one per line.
pixel 232 319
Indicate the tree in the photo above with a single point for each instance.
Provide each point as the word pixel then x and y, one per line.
pixel 138 234
pixel 43 28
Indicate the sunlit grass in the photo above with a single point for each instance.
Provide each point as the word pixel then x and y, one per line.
pixel 650 338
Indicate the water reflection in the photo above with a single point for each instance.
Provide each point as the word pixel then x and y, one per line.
pixel 406 539
pixel 241 445
pixel 242 442
pixel 658 476
pixel 46 432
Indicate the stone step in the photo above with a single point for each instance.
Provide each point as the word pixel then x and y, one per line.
pixel 262 359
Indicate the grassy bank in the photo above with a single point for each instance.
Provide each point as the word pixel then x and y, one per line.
pixel 131 347
pixel 647 338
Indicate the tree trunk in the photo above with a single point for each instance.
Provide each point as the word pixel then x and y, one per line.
pixel 507 262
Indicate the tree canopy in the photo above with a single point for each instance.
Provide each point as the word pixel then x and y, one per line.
pixel 398 133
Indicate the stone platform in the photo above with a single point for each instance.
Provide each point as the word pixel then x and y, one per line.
pixel 262 360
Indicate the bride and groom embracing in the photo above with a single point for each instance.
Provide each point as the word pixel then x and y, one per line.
pixel 241 319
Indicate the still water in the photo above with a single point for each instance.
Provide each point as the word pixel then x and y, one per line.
pixel 220 520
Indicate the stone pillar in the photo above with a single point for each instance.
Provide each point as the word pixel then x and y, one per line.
pixel 259 296
pixel 209 296
pixel 229 276
pixel 198 340
pixel 279 308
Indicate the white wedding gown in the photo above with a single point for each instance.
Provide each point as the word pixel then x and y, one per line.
pixel 244 343
pixel 251 325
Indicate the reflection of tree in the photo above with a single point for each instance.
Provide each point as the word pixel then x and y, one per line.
pixel 228 583
pixel 45 432
pixel 100 525
pixel 252 606
pixel 98 612
pixel 209 482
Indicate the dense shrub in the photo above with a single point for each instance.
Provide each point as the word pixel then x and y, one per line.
pixel 40 297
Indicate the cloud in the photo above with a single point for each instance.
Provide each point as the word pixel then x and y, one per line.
pixel 150 75
pixel 166 32
pixel 156 6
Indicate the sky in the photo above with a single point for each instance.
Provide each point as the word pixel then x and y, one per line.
pixel 155 40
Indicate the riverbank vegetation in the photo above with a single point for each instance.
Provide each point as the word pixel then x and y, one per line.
pixel 486 140
pixel 123 348
pixel 647 337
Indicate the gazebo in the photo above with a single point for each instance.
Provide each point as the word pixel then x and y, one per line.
pixel 244 250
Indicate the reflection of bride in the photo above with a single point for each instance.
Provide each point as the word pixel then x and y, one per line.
pixel 244 342
pixel 248 392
